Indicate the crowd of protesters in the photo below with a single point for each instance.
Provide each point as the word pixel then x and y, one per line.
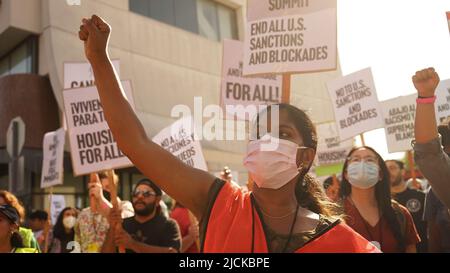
pixel 368 208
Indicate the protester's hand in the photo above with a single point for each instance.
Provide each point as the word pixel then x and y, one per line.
pixel 122 238
pixel 96 190
pixel 95 33
pixel 193 231
pixel 426 81
pixel 115 217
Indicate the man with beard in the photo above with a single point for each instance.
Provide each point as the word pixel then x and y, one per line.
pixel 412 199
pixel 149 231
pixel 92 223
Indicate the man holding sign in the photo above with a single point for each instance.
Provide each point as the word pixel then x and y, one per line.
pixel 148 231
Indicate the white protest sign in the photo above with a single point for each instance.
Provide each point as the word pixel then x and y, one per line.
pixel 238 92
pixel 356 106
pixel 290 36
pixel 442 104
pixel 399 116
pixel 330 150
pixel 53 158
pixel 179 140
pixel 57 204
pixel 92 144
pixel 79 74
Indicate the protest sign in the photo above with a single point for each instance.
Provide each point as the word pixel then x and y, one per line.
pixel 179 140
pixel 53 158
pixel 330 150
pixel 238 92
pixel 442 104
pixel 92 144
pixel 80 74
pixel 288 36
pixel 57 204
pixel 399 117
pixel 356 106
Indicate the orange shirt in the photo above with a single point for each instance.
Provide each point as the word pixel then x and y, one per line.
pixel 234 226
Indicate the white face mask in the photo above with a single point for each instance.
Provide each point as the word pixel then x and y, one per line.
pixel 69 222
pixel 272 169
pixel 363 175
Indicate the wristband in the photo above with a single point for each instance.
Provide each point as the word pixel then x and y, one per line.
pixel 427 100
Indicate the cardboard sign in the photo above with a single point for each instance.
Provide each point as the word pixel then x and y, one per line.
pixel 238 92
pixel 356 106
pixel 399 117
pixel 330 150
pixel 92 144
pixel 442 104
pixel 179 140
pixel 53 158
pixel 290 36
pixel 57 204
pixel 79 74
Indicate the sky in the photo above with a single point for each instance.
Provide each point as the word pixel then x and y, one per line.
pixel 395 38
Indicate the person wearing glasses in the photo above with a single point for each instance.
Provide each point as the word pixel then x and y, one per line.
pixel 149 230
pixel 366 200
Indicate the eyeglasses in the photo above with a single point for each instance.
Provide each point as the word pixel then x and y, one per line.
pixel 144 193
pixel 357 159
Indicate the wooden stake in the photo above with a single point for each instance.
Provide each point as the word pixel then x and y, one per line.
pixel 286 93
pixel 113 192
pixel 92 201
pixel 363 142
pixel 47 229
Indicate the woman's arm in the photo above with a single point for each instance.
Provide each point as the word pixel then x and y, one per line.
pixel 188 185
pixel 425 81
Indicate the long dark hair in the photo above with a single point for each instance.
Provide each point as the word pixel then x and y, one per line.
pixel 59 231
pixel 16 240
pixel 382 194
pixel 308 191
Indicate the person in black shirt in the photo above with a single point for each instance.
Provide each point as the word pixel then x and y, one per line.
pixel 149 231
pixel 412 199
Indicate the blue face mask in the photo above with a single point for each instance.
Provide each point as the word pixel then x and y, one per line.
pixel 363 175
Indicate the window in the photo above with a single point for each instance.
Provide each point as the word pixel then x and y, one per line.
pixel 20 60
pixel 205 17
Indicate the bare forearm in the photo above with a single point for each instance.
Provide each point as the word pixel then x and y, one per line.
pixel 121 118
pixel 425 127
pixel 108 245
pixel 187 242
pixel 143 248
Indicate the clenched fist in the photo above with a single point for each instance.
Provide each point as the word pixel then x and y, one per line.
pixel 95 33
pixel 426 81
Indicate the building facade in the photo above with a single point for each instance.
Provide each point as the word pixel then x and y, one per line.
pixel 171 51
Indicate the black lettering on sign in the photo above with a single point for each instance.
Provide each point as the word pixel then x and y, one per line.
pixel 287 4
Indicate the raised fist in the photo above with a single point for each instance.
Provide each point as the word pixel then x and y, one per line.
pixel 426 81
pixel 95 33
